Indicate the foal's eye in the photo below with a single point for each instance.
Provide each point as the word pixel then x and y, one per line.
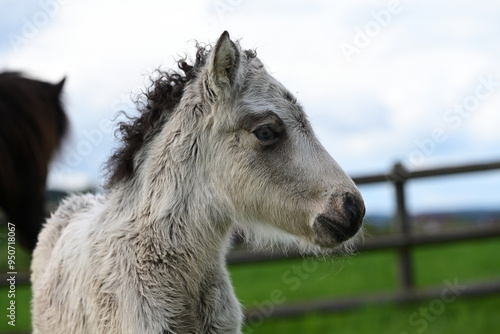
pixel 265 133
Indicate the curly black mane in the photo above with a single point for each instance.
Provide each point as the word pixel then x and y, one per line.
pixel 155 107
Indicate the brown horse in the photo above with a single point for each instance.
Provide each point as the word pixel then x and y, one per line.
pixel 32 126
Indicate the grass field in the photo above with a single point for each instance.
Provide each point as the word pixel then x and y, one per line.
pixel 464 262
pixel 305 279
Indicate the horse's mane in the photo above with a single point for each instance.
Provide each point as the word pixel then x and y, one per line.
pixel 34 106
pixel 155 106
pixel 11 74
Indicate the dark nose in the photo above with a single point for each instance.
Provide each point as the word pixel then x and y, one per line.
pixel 354 209
pixel 342 219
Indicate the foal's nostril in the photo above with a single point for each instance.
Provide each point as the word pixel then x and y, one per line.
pixel 354 209
pixel 341 220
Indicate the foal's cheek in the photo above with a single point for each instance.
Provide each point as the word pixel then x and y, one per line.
pixel 230 163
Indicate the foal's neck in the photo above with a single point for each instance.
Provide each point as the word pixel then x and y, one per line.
pixel 170 196
pixel 173 222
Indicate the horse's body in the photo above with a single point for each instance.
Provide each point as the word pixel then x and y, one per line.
pixel 32 125
pixel 223 145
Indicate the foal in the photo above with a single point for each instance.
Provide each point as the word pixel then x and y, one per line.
pixel 222 145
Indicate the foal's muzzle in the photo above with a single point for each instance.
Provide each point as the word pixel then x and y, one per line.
pixel 341 220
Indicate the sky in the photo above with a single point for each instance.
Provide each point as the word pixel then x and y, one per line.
pixel 381 81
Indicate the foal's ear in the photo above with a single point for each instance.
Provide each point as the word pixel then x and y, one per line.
pixel 223 65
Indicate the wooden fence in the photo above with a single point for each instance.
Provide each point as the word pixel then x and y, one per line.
pixel 403 242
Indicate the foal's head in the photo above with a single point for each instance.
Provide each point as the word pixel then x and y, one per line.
pixel 237 136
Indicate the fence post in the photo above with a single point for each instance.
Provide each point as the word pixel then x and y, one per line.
pixel 399 176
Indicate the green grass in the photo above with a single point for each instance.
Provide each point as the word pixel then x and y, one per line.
pixel 301 279
pixel 464 260
pixel 371 272
pixel 478 315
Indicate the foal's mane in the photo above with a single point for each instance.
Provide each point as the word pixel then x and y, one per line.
pixel 155 106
